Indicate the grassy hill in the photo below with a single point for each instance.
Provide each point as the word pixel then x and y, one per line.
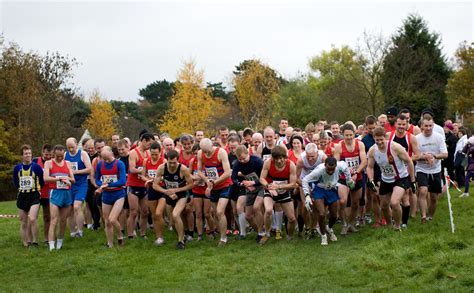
pixel 421 258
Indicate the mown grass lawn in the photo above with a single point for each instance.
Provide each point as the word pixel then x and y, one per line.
pixel 423 258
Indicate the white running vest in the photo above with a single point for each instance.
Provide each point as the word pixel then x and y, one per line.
pixel 393 170
pixel 307 167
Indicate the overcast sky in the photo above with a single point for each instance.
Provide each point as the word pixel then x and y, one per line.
pixel 123 46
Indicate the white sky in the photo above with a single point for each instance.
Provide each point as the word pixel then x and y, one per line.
pixel 123 46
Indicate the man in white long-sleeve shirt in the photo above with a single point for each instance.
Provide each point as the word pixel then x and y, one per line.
pixel 324 193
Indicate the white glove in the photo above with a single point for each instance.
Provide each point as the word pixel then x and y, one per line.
pixel 308 203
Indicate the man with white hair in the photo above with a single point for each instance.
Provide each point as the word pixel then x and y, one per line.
pixel 309 160
pixel 214 168
pixel 81 168
pixel 257 140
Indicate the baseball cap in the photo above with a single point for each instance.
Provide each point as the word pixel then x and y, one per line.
pixel 391 111
pixel 427 111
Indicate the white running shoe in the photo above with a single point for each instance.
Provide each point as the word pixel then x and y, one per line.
pixel 324 240
pixel 159 241
pixel 465 194
pixel 332 235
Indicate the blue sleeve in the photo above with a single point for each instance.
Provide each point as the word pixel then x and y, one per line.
pixel 258 167
pixel 15 176
pixel 39 173
pixel 122 180
pixel 235 171
pixel 98 182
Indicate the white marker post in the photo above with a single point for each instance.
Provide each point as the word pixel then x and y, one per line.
pixel 451 218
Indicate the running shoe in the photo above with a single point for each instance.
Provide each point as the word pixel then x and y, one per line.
pixel 353 229
pixel 264 240
pixel 159 242
pixel 180 245
pixel 222 243
pixel 324 240
pixel 278 235
pixel 344 230
pixel 121 242
pixel 465 194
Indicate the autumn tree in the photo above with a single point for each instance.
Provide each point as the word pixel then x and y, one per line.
pixel 256 92
pixel 102 121
pixel 415 70
pixel 7 160
pixel 192 107
pixel 460 88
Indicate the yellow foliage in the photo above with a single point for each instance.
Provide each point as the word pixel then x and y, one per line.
pixel 256 89
pixel 102 120
pixel 192 107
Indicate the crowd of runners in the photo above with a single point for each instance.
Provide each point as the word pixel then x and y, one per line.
pixel 313 182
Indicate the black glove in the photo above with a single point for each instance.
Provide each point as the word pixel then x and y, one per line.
pixel 372 186
pixel 413 186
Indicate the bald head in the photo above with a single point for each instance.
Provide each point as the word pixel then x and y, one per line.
pixel 107 153
pixel 206 145
pixel 71 145
pixel 168 144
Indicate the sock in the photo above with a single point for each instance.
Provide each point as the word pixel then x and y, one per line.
pixel 224 239
pixel 274 226
pixel 261 233
pixel 405 214
pixel 59 244
pixel 300 223
pixel 279 219
pixel 242 224
pixel 51 245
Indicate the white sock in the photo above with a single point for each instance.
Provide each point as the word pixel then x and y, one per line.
pixel 224 239
pixel 51 245
pixel 242 224
pixel 59 244
pixel 279 220
pixel 261 233
pixel 274 225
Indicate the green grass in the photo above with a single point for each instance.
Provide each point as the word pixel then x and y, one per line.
pixel 423 258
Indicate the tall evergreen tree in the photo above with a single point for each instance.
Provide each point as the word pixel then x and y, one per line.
pixel 415 70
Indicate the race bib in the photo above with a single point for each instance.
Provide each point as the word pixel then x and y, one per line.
pixel 171 184
pixel 266 157
pixel 284 182
pixel 352 163
pixel 252 177
pixel 61 185
pixel 388 171
pixel 109 179
pixel 212 173
pixel 26 182
pixel 74 166
pixel 151 173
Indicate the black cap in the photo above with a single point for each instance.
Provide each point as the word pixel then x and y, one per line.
pixel 391 111
pixel 427 111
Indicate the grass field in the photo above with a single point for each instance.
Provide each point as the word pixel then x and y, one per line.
pixel 423 258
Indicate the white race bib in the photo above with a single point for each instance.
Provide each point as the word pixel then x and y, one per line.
pixel 61 185
pixel 109 179
pixel 352 163
pixel 212 173
pixel 74 166
pixel 283 182
pixel 266 157
pixel 171 184
pixel 26 182
pixel 388 171
pixel 151 173
pixel 252 177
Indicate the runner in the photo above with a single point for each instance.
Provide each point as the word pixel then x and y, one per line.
pixel 428 168
pixel 278 178
pixel 310 159
pixel 110 176
pixel 44 200
pixel 409 143
pixel 199 135
pixel 397 169
pixel 245 174
pixel 336 133
pixel 28 179
pixel 257 140
pixel 115 139
pixel 324 193
pixel 392 113
pixel 177 180
pixel 353 153
pixel 137 200
pixel 156 201
pixel 215 163
pixel 81 168
pixel 185 156
pixel 58 173
pixel 411 128
pixel 283 125
pixel 200 200
pixel 123 150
